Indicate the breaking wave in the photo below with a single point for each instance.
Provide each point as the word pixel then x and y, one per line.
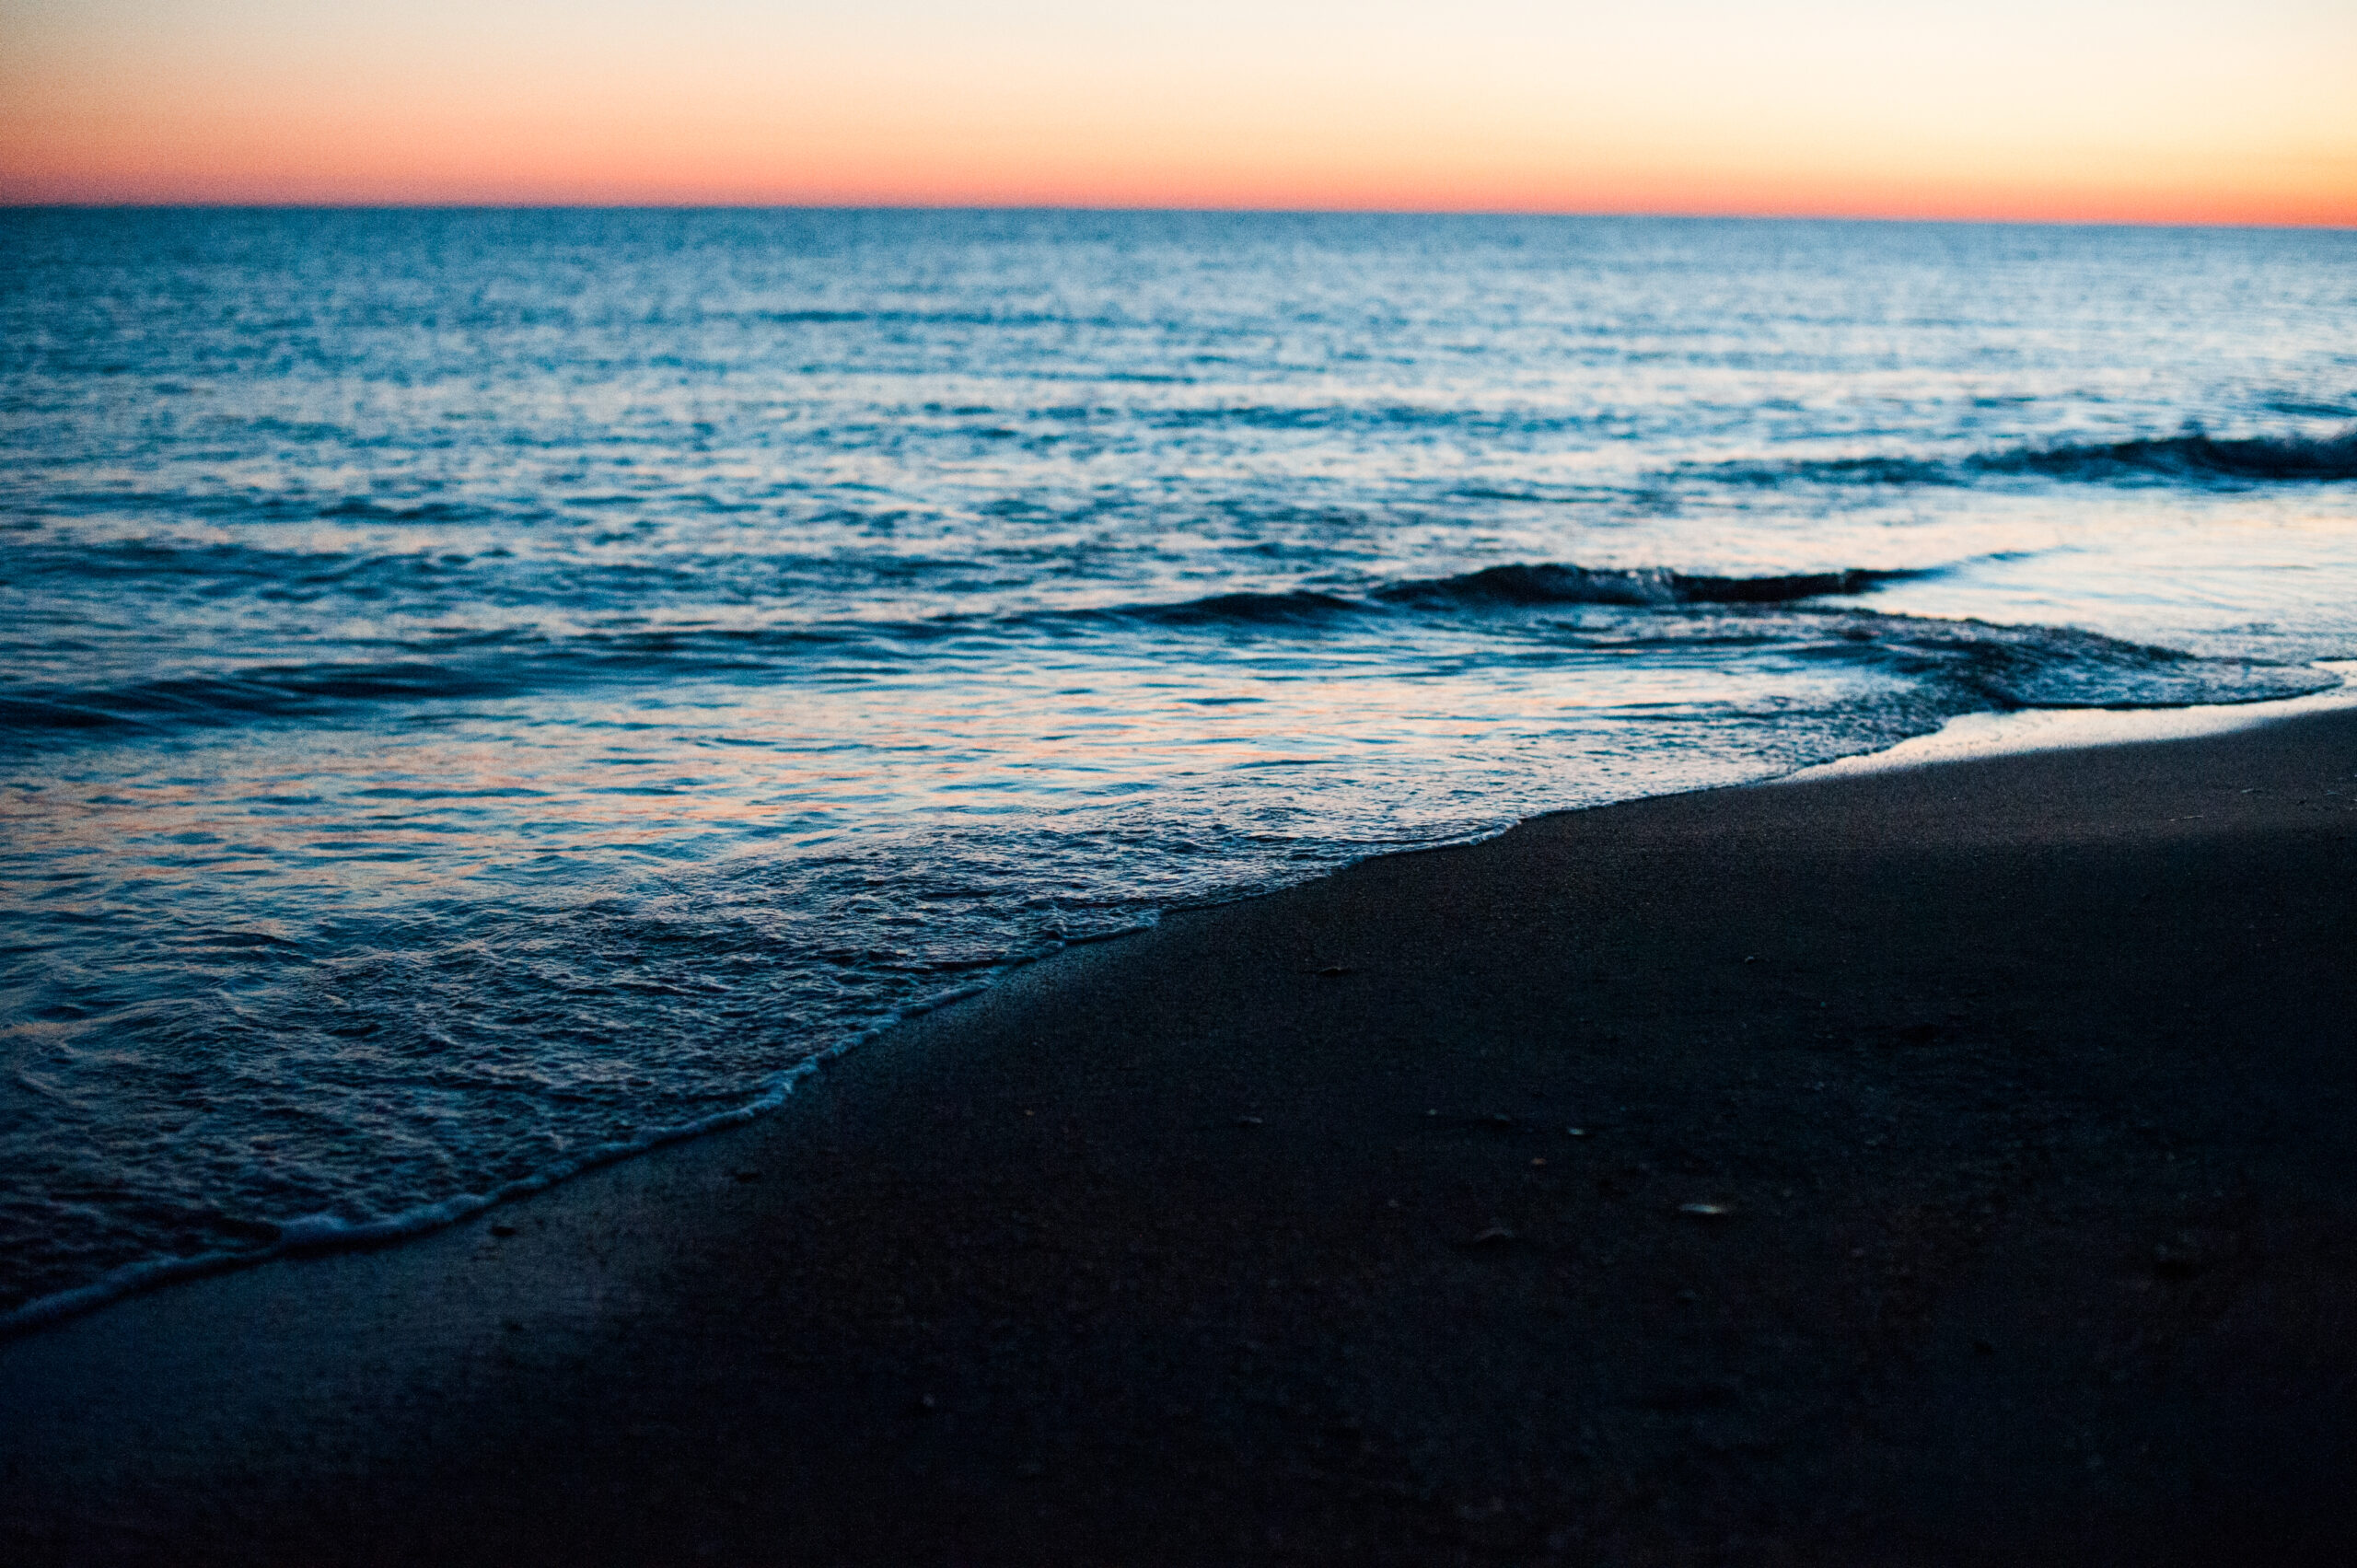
pixel 2192 455
pixel 2007 667
pixel 1641 586
pixel 511 664
pixel 2192 458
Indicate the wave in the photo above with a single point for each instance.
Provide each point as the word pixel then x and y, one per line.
pixel 2192 455
pixel 891 317
pixel 2191 458
pixel 1241 609
pixel 1513 587
pixel 362 508
pixel 1636 587
pixel 1492 423
pixel 290 690
pixel 2003 666
pixel 291 506
pixel 2013 668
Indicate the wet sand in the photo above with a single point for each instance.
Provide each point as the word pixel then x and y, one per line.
pixel 1966 1170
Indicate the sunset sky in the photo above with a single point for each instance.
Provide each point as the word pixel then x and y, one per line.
pixel 2170 111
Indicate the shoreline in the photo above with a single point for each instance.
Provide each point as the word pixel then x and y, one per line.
pixel 1966 737
pixel 1978 736
pixel 1275 1248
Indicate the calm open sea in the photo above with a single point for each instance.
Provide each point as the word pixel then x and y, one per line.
pixel 484 690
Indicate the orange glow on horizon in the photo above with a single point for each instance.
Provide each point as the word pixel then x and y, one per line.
pixel 361 168
pixel 625 108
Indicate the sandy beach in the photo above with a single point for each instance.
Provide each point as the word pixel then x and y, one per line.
pixel 1945 1165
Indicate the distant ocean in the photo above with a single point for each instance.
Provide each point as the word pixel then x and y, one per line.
pixel 485 690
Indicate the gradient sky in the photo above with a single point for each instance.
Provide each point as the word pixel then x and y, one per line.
pixel 2171 110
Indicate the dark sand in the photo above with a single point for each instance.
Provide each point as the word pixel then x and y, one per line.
pixel 2028 1084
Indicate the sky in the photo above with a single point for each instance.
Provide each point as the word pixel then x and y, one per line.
pixel 2172 110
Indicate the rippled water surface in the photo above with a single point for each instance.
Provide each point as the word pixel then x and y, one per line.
pixel 483 689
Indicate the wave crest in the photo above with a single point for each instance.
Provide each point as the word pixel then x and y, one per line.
pixel 1646 587
pixel 2193 458
pixel 2033 667
pixel 2192 455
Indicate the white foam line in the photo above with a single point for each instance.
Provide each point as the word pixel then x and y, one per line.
pixel 327 1233
pixel 1971 735
pixel 313 1233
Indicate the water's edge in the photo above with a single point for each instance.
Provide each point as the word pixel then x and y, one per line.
pixel 1970 736
pixel 1966 737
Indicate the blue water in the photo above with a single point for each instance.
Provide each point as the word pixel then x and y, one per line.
pixel 480 690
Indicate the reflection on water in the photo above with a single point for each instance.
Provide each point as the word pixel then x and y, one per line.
pixel 485 686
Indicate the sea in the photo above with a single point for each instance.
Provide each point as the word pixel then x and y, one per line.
pixel 486 692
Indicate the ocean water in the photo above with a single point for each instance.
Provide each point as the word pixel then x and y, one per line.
pixel 481 692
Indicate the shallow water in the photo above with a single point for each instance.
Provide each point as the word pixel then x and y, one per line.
pixel 481 689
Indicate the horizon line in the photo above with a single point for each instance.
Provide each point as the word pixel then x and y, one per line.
pixel 1143 209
